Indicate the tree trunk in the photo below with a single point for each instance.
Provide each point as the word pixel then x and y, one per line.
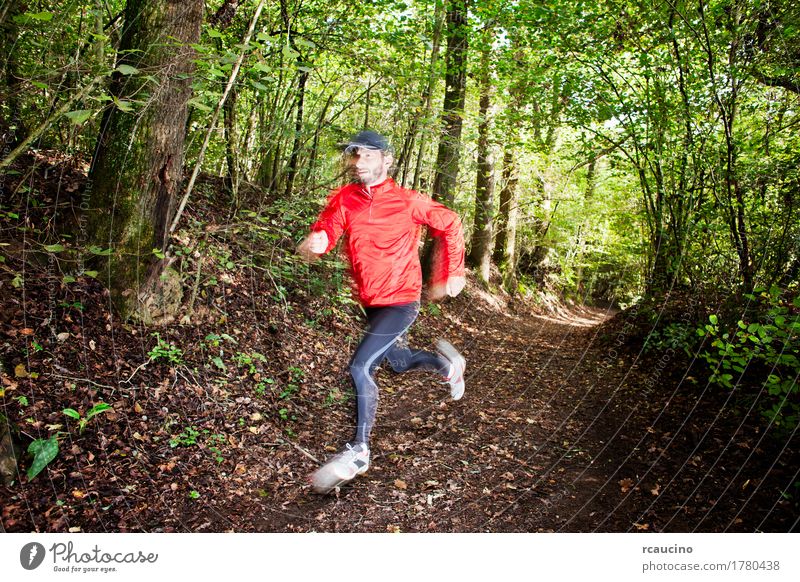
pixel 12 129
pixel 505 248
pixel 449 153
pixel 481 253
pixel 291 170
pixel 231 144
pixel 138 164
pixel 438 23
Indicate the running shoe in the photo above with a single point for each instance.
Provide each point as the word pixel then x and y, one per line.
pixel 343 467
pixel 457 366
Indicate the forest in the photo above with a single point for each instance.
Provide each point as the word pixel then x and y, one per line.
pixel 626 173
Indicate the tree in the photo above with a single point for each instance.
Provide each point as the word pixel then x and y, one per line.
pixel 137 169
pixel 480 255
pixel 449 153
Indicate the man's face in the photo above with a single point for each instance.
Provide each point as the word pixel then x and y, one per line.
pixel 370 167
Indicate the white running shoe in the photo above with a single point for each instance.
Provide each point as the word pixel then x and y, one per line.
pixel 341 468
pixel 457 366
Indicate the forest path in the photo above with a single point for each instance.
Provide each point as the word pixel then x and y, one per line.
pixel 562 429
pixel 564 426
pixel 517 453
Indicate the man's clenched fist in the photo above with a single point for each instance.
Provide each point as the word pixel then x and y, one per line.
pixel 313 246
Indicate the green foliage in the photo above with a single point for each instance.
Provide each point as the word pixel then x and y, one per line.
pixel 43 451
pixel 248 361
pixel 186 438
pixel 673 336
pixel 214 442
pixel 164 350
pixel 263 386
pixel 98 408
pixel 764 349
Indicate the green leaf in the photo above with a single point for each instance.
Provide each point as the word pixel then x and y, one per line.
pixel 54 248
pixel 68 279
pixel 124 106
pixel 219 363
pixel 33 16
pixel 289 52
pixel 97 409
pixel 92 274
pixel 304 42
pixel 127 70
pixel 79 115
pixel 713 319
pixel 39 84
pixel 43 451
pixel 72 413
pixel 99 251
pixel 197 104
pixel 259 86
pixel 159 253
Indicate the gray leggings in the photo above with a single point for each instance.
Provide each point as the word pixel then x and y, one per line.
pixel 386 339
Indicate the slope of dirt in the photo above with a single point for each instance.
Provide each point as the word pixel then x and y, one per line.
pixel 218 418
pixel 553 434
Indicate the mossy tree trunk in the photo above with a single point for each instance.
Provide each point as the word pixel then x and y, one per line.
pixel 449 153
pixel 138 164
pixel 480 256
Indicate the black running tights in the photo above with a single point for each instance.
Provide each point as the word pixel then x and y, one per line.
pixel 386 339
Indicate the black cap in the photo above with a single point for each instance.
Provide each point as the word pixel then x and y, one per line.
pixel 367 139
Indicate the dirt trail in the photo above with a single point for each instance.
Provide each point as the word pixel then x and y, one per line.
pixel 555 434
pixel 562 428
pixel 513 455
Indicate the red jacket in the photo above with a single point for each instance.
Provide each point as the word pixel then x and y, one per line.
pixel 382 226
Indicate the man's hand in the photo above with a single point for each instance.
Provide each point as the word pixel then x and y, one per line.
pixel 451 288
pixel 455 285
pixel 313 246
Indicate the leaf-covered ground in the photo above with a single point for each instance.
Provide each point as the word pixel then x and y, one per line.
pixel 218 420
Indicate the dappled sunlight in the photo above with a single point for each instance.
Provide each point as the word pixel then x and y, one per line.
pixel 576 316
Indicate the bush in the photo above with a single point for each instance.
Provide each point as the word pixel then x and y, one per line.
pixel 764 351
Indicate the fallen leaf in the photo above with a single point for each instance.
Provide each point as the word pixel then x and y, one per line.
pixel 625 484
pixel 77 494
pixel 641 526
pixel 62 337
pixel 400 484
pixel 20 371
pixel 656 490
pixel 26 331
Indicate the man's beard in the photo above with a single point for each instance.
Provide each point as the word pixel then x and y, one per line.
pixel 368 178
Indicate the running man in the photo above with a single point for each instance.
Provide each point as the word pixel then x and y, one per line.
pixel 381 222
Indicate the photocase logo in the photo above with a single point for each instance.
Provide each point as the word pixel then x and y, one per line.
pixel 31 556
